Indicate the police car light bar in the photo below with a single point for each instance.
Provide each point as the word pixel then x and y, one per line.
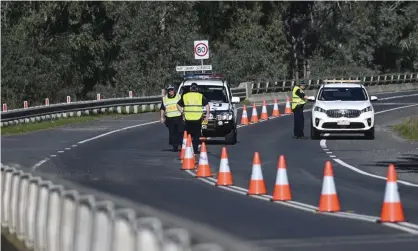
pixel 341 81
pixel 204 76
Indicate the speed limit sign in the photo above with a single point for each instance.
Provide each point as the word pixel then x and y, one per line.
pixel 201 49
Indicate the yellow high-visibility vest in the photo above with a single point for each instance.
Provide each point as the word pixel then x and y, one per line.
pixel 193 109
pixel 171 106
pixel 295 98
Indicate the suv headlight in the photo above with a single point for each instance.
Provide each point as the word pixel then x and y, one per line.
pixel 224 116
pixel 367 109
pixel 319 109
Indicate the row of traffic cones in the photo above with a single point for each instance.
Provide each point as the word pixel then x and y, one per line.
pixel 264 114
pixel 392 210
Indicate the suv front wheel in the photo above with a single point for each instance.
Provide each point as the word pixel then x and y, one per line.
pixel 315 133
pixel 231 137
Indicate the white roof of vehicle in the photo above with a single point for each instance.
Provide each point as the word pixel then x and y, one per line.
pixel 343 85
pixel 214 82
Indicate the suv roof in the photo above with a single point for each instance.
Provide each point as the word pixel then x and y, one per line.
pixel 215 82
pixel 343 85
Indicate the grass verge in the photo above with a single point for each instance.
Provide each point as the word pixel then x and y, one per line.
pixel 9 242
pixel 408 128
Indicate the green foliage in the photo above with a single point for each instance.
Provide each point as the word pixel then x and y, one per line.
pixel 55 49
pixel 408 128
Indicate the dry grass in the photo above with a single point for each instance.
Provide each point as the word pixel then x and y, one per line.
pixel 408 128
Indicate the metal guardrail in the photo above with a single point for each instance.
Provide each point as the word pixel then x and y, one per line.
pixel 49 214
pixel 151 103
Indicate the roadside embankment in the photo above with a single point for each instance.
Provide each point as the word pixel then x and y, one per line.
pixel 408 129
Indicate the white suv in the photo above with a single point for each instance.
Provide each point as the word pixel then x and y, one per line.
pixel 342 107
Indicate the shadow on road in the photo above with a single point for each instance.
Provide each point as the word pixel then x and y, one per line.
pixel 406 163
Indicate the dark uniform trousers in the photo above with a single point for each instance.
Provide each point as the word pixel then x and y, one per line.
pixel 175 130
pixel 299 121
pixel 194 128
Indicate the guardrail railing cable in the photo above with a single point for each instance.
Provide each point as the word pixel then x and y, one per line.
pixel 49 216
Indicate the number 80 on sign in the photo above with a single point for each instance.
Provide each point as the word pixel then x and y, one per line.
pixel 201 49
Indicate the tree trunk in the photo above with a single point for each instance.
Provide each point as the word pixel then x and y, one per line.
pixel 295 59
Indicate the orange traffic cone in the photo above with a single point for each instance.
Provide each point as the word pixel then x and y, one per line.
pixel 203 170
pixel 288 109
pixel 254 115
pixel 276 112
pixel 183 146
pixel 257 185
pixel 189 161
pixel 392 210
pixel 329 201
pixel 224 174
pixel 282 188
pixel 244 116
pixel 264 114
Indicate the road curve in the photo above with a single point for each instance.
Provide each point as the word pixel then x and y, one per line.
pixel 135 165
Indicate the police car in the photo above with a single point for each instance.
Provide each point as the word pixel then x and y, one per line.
pixel 342 106
pixel 223 111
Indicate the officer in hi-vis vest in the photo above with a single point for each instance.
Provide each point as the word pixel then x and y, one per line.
pixel 172 118
pixel 298 102
pixel 191 104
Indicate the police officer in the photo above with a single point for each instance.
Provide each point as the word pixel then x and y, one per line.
pixel 172 118
pixel 191 105
pixel 298 102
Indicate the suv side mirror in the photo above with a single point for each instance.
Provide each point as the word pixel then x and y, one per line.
pixel 373 98
pixel 311 98
pixel 235 100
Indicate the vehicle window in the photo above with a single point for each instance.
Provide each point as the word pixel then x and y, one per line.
pixel 211 93
pixel 343 94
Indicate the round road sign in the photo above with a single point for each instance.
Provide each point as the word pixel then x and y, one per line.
pixel 201 49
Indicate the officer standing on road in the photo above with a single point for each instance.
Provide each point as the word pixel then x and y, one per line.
pixel 298 102
pixel 172 118
pixel 191 105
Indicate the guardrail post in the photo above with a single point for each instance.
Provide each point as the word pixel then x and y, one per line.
pixel 176 239
pixel 149 234
pixel 22 206
pixel 13 209
pixel 42 215
pixel 4 107
pixel 248 89
pixel 102 226
pixel 124 230
pixel 53 220
pixel 69 204
pixel 84 223
pixel 32 211
pixel 6 196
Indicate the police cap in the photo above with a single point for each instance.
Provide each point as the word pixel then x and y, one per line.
pixel 193 87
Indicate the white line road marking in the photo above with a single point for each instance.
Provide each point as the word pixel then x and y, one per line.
pixel 60 151
pixel 329 152
pixel 67 148
pixel 53 155
pixel 74 146
pixel 40 163
pixel 332 156
pixel 323 144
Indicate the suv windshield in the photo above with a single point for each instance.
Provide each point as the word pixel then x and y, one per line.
pixel 343 94
pixel 211 93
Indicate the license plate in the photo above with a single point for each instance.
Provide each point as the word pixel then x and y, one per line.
pixel 343 122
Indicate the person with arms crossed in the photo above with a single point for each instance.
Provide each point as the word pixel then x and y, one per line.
pixel 191 105
pixel 172 118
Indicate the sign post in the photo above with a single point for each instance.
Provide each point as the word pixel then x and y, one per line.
pixel 47 101
pixel 201 50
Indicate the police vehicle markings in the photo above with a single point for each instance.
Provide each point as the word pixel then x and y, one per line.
pixel 403 226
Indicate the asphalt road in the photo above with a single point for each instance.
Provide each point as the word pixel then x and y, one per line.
pixel 136 164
